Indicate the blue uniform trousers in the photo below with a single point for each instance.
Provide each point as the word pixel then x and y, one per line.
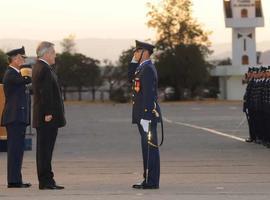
pixel 153 158
pixel 15 150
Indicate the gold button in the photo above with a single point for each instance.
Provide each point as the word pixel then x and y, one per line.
pixel 145 110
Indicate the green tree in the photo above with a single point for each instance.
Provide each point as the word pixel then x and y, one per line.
pixel 65 62
pixel 86 73
pixel 226 61
pixel 183 68
pixel 116 77
pixel 182 46
pixel 91 74
pixel 122 70
pixel 173 22
pixel 125 59
pixel 123 64
pixel 64 68
pixel 109 76
pixel 68 44
pixel 3 64
pixel 78 70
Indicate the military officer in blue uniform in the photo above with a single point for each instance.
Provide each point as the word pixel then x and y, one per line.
pixel 146 112
pixel 15 116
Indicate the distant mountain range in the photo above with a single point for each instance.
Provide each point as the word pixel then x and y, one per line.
pixel 111 49
pixel 96 48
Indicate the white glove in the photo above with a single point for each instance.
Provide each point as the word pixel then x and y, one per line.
pixel 145 124
pixel 134 60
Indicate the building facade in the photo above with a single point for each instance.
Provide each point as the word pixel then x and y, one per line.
pixel 243 16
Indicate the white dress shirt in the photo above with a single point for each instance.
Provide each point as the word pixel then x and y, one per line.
pixel 15 68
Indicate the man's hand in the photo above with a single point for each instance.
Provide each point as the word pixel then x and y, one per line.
pixel 48 118
pixel 145 124
pixel 134 60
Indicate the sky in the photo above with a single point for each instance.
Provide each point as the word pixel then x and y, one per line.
pixel 56 19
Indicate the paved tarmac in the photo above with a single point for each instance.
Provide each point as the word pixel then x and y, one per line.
pixel 98 156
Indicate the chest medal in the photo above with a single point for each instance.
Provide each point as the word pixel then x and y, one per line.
pixel 137 85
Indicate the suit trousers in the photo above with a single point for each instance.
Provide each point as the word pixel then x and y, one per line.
pixel 151 160
pixel 15 151
pixel 46 137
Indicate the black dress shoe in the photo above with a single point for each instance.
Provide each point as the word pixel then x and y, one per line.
pixel 249 140
pixel 144 186
pixel 51 187
pixel 19 185
pixel 137 186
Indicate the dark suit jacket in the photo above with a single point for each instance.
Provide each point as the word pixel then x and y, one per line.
pixel 17 104
pixel 47 97
pixel 145 95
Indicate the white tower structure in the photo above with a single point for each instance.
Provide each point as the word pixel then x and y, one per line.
pixel 243 16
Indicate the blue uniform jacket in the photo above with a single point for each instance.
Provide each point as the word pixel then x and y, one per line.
pixel 144 89
pixel 17 106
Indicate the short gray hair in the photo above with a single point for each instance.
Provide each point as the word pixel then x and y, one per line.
pixel 43 48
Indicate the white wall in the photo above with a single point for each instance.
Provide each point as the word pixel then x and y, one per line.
pixel 250 21
pixel 238 5
pixel 238 46
pixel 222 87
pixel 235 88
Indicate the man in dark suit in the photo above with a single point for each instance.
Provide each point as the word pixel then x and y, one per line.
pixel 15 116
pixel 146 112
pixel 48 112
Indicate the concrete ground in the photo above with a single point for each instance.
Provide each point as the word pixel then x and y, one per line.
pixel 97 156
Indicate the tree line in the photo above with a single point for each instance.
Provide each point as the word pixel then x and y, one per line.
pixel 79 73
pixel 182 49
